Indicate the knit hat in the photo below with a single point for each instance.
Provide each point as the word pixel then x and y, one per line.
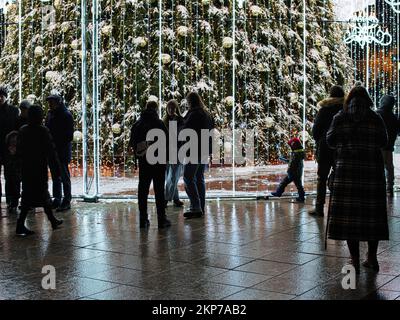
pixel 55 97
pixel 387 102
pixel 3 91
pixel 295 144
pixel 25 104
pixel 336 92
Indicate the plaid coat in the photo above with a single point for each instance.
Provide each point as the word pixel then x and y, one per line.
pixel 357 209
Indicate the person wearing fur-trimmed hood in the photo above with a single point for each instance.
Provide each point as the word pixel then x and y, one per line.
pixel 328 108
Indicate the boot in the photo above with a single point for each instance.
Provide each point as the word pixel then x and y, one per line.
pixel 193 214
pixel 65 205
pixel 55 223
pixel 21 230
pixel 318 211
pixel 276 194
pixel 178 203
pixel 163 223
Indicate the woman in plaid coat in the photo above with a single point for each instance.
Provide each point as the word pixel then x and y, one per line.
pixel 357 210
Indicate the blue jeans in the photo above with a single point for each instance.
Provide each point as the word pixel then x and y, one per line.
pixel 173 174
pixel 195 186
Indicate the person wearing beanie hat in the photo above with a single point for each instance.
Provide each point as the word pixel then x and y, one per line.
pixel 328 108
pixel 295 170
pixel 61 125
pixel 392 124
pixel 8 123
pixel 23 115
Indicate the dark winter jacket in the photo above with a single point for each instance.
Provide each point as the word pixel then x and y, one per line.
pixel 61 126
pixel 392 123
pixel 357 209
pixel 12 165
pixel 328 109
pixel 179 124
pixel 36 149
pixel 8 123
pixel 148 120
pixel 198 119
pixel 21 121
pixel 295 163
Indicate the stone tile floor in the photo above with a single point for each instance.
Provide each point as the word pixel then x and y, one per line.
pixel 240 250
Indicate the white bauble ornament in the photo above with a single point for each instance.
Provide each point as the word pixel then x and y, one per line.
pixel 269 122
pixel 325 50
pixel 183 31
pixel 116 128
pixel 229 101
pixel 256 11
pixel 321 66
pixel 140 42
pixel 106 30
pixel 227 42
pixel 39 51
pixel 78 136
pixel 75 44
pixel 294 97
pixel 166 58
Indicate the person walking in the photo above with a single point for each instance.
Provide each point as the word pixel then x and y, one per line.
pixel 173 121
pixel 148 173
pixel 328 108
pixel 197 119
pixel 8 123
pixel 357 209
pixel 12 172
pixel 294 171
pixel 392 124
pixel 35 149
pixel 61 125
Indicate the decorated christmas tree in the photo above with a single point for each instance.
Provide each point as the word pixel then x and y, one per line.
pixel 195 52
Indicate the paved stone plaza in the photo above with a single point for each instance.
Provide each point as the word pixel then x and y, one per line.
pixel 240 250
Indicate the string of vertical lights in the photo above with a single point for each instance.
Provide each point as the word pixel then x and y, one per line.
pixel 95 99
pixel 160 57
pixel 32 74
pixel 173 77
pixel 136 104
pixel 112 46
pixel 304 75
pixel 84 99
pixel 124 104
pixel 75 57
pixel 234 96
pixel 397 66
pixel 20 50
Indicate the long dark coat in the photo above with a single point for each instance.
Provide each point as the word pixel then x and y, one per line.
pixel 8 123
pixel 357 209
pixel 35 149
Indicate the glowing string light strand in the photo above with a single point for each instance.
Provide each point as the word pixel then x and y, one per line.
pixel 394 4
pixel 365 30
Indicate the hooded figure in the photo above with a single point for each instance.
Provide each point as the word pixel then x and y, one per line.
pixel 357 207
pixel 324 155
pixel 392 127
pixel 61 125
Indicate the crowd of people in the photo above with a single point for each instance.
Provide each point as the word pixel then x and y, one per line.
pixel 354 152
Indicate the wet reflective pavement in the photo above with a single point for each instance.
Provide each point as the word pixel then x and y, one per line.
pixel 241 250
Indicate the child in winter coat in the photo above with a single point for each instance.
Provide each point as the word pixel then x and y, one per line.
pixel 295 170
pixel 12 172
